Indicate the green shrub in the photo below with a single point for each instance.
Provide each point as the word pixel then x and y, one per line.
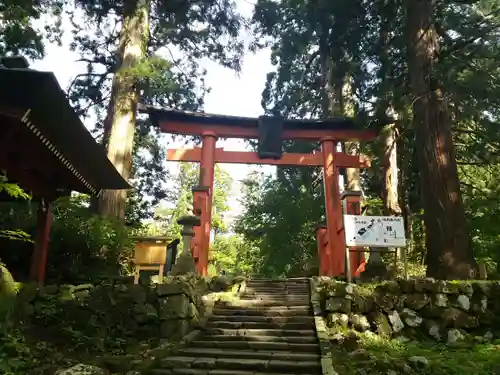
pixel 374 355
pixel 83 247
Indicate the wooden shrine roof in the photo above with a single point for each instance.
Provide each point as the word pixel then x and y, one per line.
pixel 158 115
pixel 44 146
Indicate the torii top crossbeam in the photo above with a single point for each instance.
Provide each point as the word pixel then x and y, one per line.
pixel 193 123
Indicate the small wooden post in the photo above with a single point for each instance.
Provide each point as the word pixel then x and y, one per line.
pixel 40 254
pixel 405 262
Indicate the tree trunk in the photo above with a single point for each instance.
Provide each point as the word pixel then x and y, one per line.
pixel 120 122
pixel 345 108
pixel 403 194
pixel 449 247
pixel 390 172
pixel 386 107
pixel 353 177
pixel 389 168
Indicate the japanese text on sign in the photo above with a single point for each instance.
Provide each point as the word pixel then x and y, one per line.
pixel 379 231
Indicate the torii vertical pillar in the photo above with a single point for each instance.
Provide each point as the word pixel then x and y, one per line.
pixel 323 250
pixel 335 250
pixel 207 171
pixel 200 198
pixel 351 201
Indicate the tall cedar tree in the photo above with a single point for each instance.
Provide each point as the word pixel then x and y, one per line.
pixel 130 45
pixel 120 123
pixel 449 246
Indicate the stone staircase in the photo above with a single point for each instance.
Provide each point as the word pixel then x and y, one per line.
pixel 268 331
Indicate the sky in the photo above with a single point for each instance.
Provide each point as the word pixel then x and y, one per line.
pixel 231 94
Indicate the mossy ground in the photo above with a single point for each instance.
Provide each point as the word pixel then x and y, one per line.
pixel 376 356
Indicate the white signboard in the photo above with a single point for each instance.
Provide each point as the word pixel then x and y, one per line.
pixel 377 231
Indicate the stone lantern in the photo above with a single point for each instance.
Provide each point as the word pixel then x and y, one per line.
pixel 185 264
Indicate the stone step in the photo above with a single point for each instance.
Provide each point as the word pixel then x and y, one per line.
pixel 256 345
pixel 259 325
pixel 277 297
pixel 263 318
pixel 270 293
pixel 274 287
pixel 284 293
pixel 246 354
pixel 193 371
pixel 301 311
pixel 264 310
pixel 262 332
pixel 260 303
pixel 277 288
pixel 236 364
pixel 287 339
pixel 282 280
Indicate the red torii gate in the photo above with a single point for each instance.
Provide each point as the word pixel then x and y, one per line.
pixel 270 131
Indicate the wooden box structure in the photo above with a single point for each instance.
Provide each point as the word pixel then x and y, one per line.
pixel 151 254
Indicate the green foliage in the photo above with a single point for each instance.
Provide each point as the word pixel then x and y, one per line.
pixel 181 198
pixel 280 218
pixel 314 48
pixel 13 191
pixel 26 25
pixel 233 255
pixel 8 292
pixel 150 175
pixel 379 355
pixel 83 246
pixel 16 357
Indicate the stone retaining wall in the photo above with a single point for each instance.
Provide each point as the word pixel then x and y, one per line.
pixel 168 310
pixel 443 311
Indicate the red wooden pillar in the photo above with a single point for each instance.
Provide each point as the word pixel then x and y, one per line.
pixel 351 201
pixel 207 170
pixel 41 248
pixel 200 195
pixel 336 249
pixel 323 250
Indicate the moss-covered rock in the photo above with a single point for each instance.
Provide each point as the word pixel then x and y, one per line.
pixel 82 369
pixel 381 324
pixel 415 308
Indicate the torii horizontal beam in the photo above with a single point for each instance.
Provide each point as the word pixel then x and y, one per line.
pixel 288 159
pixel 226 131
